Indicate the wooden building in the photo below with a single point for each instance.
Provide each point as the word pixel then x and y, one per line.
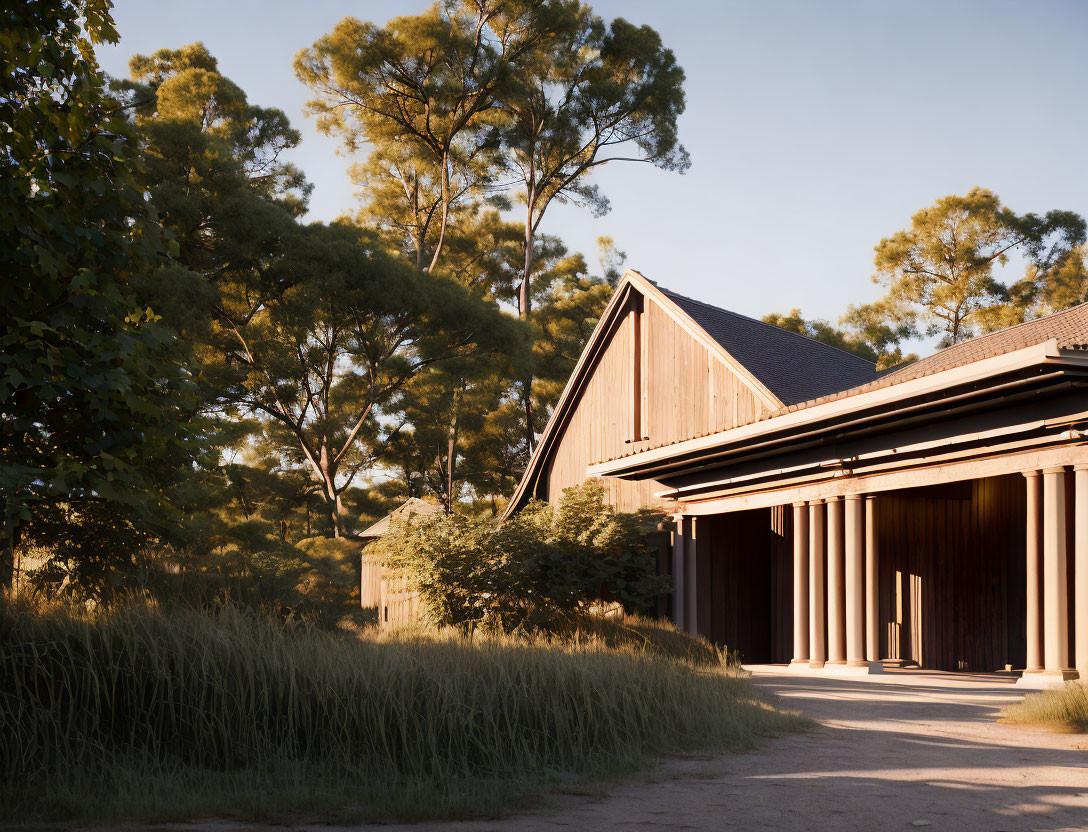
pixel 833 516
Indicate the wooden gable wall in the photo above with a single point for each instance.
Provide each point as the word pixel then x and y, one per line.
pixel 687 390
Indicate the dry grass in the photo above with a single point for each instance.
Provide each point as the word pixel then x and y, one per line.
pixel 1065 709
pixel 152 714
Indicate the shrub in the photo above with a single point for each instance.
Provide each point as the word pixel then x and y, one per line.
pixel 545 564
pixel 330 571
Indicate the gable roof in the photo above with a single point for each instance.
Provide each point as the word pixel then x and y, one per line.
pixel 794 367
pixel 1069 329
pixel 780 367
pixel 413 505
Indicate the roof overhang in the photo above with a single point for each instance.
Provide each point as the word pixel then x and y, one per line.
pixel 785 431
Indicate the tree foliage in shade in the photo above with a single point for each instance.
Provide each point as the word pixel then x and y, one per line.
pixel 324 357
pixel 218 182
pixel 94 393
pixel 941 268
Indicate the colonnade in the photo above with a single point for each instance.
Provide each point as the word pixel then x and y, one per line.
pixel 836 563
pixel 835 601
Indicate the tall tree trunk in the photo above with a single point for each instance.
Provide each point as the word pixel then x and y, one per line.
pixel 451 453
pixel 11 531
pixel 445 210
pixel 7 562
pixel 329 492
pixel 525 311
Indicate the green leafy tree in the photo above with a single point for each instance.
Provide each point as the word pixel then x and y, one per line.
pixel 422 89
pixel 94 391
pixel 941 269
pixel 324 358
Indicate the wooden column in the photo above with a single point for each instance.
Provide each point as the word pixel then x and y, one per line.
pixel 1034 548
pixel 1080 570
pixel 678 572
pixel 800 584
pixel 691 587
pixel 836 597
pixel 1055 574
pixel 855 581
pixel 872 585
pixel 817 542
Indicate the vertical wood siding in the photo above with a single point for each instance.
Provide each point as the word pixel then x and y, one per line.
pixel 746 583
pixel 952 574
pixel 687 391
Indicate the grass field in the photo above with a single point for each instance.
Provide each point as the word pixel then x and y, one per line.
pixel 158 714
pixel 1065 709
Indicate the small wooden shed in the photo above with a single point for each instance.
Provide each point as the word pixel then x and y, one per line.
pixel 376 587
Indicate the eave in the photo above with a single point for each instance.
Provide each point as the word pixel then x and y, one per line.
pixel 785 431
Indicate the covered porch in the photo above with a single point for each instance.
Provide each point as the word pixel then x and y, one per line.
pixel 938 522
pixel 976 575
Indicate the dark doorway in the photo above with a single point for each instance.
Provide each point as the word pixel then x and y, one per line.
pixel 746 583
pixel 952 574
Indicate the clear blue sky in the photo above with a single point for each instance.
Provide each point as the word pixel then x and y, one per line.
pixel 815 128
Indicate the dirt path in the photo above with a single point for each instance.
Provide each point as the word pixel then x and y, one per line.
pixel 920 752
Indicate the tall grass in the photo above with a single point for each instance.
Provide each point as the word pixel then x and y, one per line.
pixel 1064 709
pixel 142 712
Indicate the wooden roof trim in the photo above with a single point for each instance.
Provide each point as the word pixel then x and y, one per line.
pixel 685 321
pixel 1028 356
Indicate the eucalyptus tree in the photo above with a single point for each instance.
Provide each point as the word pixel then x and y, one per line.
pixel 602 94
pixel 429 83
pixel 941 268
pixel 500 100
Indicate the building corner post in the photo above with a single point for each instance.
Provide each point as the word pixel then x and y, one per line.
pixel 1080 569
pixel 678 571
pixel 691 579
pixel 800 584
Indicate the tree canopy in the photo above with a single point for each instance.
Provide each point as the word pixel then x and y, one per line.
pixel 95 393
pixel 940 270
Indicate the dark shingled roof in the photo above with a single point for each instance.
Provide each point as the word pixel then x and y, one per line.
pixel 1069 328
pixel 794 367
